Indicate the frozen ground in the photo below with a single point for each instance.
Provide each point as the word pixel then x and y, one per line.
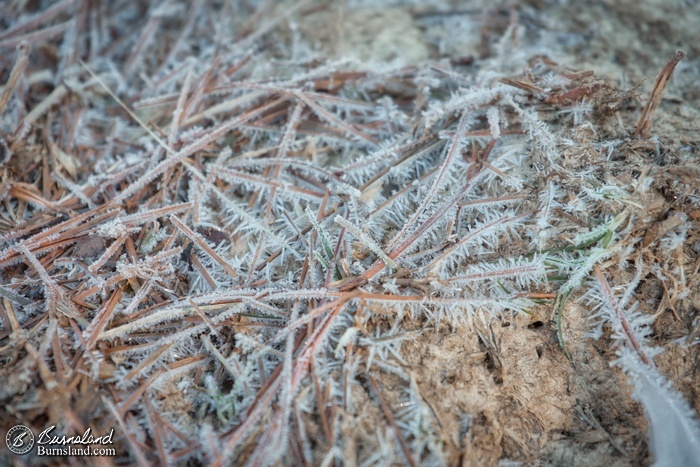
pixel 353 232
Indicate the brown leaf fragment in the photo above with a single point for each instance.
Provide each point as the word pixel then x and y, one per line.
pixel 89 247
pixel 64 159
pixel 213 235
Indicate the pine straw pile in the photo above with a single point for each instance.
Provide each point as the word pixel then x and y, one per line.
pixel 228 245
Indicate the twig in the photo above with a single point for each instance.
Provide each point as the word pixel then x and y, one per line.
pixel 644 123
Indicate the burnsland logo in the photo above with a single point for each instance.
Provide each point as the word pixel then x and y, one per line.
pixel 86 438
pixel 20 439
